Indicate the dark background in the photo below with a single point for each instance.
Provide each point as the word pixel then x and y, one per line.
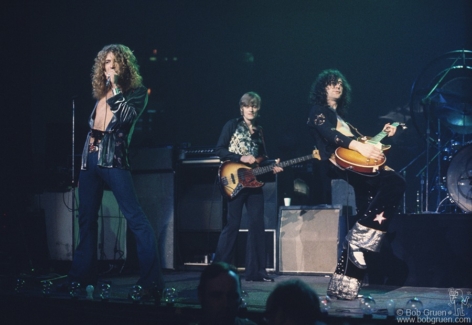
pixel 205 55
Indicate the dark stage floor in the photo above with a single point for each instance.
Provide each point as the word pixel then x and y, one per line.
pixel 29 304
pixel 425 256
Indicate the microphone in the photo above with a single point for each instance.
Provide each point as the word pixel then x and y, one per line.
pixel 108 82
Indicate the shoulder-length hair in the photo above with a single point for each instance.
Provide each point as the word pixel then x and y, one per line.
pixel 318 90
pixel 129 70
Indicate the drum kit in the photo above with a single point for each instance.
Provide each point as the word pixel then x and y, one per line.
pixel 441 111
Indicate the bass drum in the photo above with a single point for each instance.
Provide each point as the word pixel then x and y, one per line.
pixel 459 178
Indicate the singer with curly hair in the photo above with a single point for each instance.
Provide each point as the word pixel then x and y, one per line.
pixel 121 99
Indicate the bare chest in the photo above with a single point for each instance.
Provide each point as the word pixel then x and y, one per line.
pixel 103 115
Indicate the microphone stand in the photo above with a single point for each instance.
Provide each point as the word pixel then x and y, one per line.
pixel 73 175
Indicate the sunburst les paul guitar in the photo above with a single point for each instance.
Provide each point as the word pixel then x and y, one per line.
pixel 350 159
pixel 233 176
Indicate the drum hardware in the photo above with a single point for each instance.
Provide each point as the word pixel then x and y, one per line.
pixel 441 107
pixel 440 203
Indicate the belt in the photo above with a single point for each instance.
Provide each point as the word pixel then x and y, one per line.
pixel 92 148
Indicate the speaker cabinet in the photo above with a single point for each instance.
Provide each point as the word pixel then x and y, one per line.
pixel 310 238
pixel 151 158
pixel 199 205
pixel 270 243
pixel 62 234
pixel 199 211
pixel 197 248
pixel 343 194
pixel 155 192
pixel 271 202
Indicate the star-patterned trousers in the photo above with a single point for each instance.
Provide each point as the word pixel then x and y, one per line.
pixel 377 199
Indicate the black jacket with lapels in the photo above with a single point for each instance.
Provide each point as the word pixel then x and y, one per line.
pixel 322 122
pixel 255 145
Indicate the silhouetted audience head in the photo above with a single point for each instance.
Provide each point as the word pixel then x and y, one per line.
pixel 292 302
pixel 219 293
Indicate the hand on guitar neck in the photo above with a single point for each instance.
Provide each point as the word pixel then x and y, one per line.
pixel 371 150
pixel 254 162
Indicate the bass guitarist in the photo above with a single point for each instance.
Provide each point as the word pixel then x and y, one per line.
pixel 377 194
pixel 242 140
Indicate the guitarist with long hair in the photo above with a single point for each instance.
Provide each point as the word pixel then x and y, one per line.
pixel 242 140
pixel 378 191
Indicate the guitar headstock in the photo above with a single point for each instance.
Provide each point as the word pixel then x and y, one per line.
pixel 398 124
pixel 403 126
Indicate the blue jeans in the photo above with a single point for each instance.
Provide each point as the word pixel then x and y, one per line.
pixel 91 181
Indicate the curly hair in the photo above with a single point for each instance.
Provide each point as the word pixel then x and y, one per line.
pixel 318 90
pixel 129 70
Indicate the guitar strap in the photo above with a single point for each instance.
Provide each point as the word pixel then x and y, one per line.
pixel 355 129
pixel 263 142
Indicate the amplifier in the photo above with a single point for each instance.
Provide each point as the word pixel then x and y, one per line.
pixel 310 238
pixel 207 162
pixel 196 152
pixel 146 159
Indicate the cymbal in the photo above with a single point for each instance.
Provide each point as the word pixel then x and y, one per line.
pixel 452 96
pixel 454 109
pixel 455 119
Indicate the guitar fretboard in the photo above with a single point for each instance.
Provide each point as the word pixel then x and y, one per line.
pixel 381 135
pixel 268 168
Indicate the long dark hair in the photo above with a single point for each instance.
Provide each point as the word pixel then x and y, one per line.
pixel 318 90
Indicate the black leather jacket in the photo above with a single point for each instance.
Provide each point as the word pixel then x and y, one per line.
pixel 322 121
pixel 113 147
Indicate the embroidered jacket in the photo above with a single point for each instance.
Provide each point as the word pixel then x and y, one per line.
pixel 236 141
pixel 322 122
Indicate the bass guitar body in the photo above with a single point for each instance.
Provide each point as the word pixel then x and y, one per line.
pixel 236 176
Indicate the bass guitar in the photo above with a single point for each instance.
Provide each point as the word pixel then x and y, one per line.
pixel 233 176
pixel 350 159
